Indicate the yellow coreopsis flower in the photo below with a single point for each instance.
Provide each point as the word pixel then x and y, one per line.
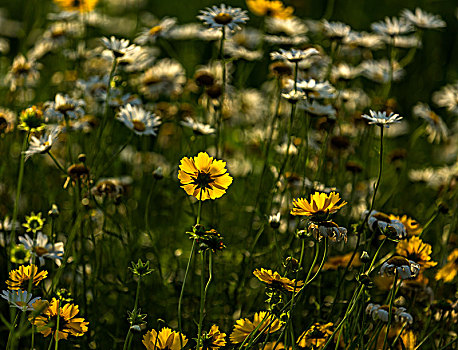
pixel 166 339
pixel 19 278
pixel 214 339
pixel 204 177
pixel 413 228
pixel 274 280
pixel 69 324
pixel 415 249
pixel 243 327
pixel 270 8
pixel 77 5
pixel 320 204
pixel 316 336
pixel 449 271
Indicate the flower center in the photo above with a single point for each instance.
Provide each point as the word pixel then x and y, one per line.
pixel 40 251
pixel 434 117
pixel 139 125
pixel 203 180
pixel 155 30
pixel 223 18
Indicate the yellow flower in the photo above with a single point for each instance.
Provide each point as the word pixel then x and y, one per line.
pixel 214 339
pixel 31 120
pixel 407 338
pixel 203 177
pixel 448 271
pixel 167 339
pixel 414 249
pixel 19 254
pixel 34 223
pixel 68 323
pixel 321 204
pixel 243 327
pixel 274 280
pixel 334 262
pixel 77 5
pixel 412 226
pixel 316 336
pixel 270 8
pixel 19 279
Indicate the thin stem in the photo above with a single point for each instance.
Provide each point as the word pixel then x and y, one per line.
pixel 59 166
pixel 203 295
pixel 390 314
pixel 56 347
pixel 182 290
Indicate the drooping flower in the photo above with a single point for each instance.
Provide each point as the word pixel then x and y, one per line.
pixel 316 336
pixel 382 224
pixel 204 177
pixel 139 120
pixel 165 340
pixel 381 119
pixel 381 312
pixel 43 144
pixel 19 278
pixel 270 8
pixel 447 97
pixel 328 229
pixel 412 226
pixel 401 266
pixel 416 250
pixel 320 204
pixel 263 321
pixel 223 16
pixel 214 339
pixel 274 280
pixel 69 324
pixel 20 299
pixel 448 272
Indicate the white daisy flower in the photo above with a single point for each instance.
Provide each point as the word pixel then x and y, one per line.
pixel 292 26
pixel 44 143
pixel 364 40
pixel 20 299
pixel 447 97
pixel 436 128
pixel 64 106
pixel 223 16
pixel 336 30
pixel 401 266
pixel 315 89
pixel 293 55
pixel 381 119
pixel 422 19
pixel 42 248
pixel 343 71
pixel 166 77
pixel 139 120
pixel 160 29
pixel 198 128
pixel 392 26
pixel 380 71
pixel 119 47
pixel 293 96
pixel 318 109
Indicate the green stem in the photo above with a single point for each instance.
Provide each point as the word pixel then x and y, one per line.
pixel 390 314
pixel 59 166
pixel 57 326
pixel 11 337
pixel 182 291
pixel 203 295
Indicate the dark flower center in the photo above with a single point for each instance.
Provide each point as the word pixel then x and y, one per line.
pixel 203 180
pixel 223 18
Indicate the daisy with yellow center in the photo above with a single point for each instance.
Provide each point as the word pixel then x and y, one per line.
pixel 415 249
pixel 204 177
pixel 316 336
pixel 69 324
pixel 412 226
pixel 165 340
pixel 214 339
pixel 274 280
pixel 266 322
pixel 449 271
pixel 320 204
pixel 77 5
pixel 270 8
pixel 19 279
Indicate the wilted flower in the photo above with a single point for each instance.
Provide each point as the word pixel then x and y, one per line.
pixel 139 120
pixel 316 336
pixel 328 229
pixel 20 299
pixel 401 266
pixel 263 321
pixel 204 177
pixel 381 223
pixel 380 118
pixel 165 340
pixel 381 312
pixel 223 16
pixel 140 268
pixel 274 220
pixel 447 97
pixel 275 281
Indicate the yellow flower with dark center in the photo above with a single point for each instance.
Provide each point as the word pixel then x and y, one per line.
pixel 320 205
pixel 316 336
pixel 31 120
pixel 449 271
pixel 407 338
pixel 77 5
pixel 412 226
pixel 34 222
pixel 19 254
pixel 267 323
pixel 69 324
pixel 334 262
pixel 414 249
pixel 274 280
pixel 165 340
pixel 270 8
pixel 204 177
pixel 19 279
pixel 214 339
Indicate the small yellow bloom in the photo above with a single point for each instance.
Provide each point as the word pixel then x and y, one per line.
pixel 412 226
pixel 19 254
pixel 77 5
pixel 166 339
pixel 31 120
pixel 448 271
pixel 19 279
pixel 316 336
pixel 69 324
pixel 243 327
pixel 274 280
pixel 270 8
pixel 414 249
pixel 204 177
pixel 34 223
pixel 320 204
pixel 214 339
